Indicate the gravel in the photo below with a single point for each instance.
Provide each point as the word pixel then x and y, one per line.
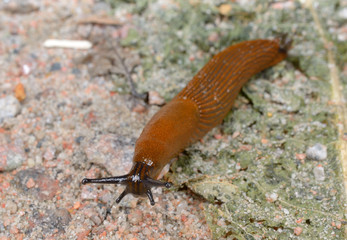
pixel 9 107
pixel 317 152
pixel 77 121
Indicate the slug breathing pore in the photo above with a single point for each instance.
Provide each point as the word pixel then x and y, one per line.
pixel 198 108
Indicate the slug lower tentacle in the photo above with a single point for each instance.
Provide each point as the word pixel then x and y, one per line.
pixel 137 182
pixel 198 108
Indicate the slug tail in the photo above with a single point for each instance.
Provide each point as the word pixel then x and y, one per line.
pixel 284 44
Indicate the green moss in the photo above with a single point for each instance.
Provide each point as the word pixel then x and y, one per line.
pixel 291 116
pixel 280 113
pixel 341 53
pixel 131 39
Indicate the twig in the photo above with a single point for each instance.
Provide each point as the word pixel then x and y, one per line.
pixel 127 74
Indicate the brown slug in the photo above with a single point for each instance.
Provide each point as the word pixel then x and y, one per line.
pixel 198 108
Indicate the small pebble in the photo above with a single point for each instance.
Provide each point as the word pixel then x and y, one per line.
pixel 135 217
pixel 55 67
pixel 105 197
pixel 83 234
pixel 88 192
pixel 79 139
pixel 38 160
pixel 319 173
pixel 154 98
pixel 238 166
pixel 333 192
pixel 300 156
pixel 76 71
pixel 343 13
pixel 31 162
pixel 319 198
pixel 14 230
pixel 30 183
pixel 77 205
pixel 273 197
pixel 213 37
pixel 37 183
pixel 283 5
pixel 11 207
pixel 218 136
pixel 297 231
pixel 146 232
pixel 48 187
pixel 9 107
pixel 11 157
pixel 63 215
pixel 317 152
pixel 49 154
pixel 285 211
pixel 92 214
pixel 96 219
pixel 139 108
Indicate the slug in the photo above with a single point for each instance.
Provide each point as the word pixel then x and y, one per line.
pixel 198 108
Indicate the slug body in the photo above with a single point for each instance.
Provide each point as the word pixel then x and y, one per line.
pixel 198 108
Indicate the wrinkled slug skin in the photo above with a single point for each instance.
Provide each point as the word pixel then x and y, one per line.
pixel 204 102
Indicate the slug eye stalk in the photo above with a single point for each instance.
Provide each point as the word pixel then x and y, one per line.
pixel 137 182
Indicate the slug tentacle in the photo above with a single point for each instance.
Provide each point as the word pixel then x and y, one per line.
pixel 109 180
pixel 137 182
pixel 121 196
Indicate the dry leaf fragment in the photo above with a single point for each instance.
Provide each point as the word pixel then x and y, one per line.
pixel 19 92
pixel 225 9
pixel 100 20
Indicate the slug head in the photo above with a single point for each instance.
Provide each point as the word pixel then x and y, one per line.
pixel 137 182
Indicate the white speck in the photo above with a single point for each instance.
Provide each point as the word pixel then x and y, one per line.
pixel 136 178
pixel 63 43
pixel 285 211
pixel 149 162
pixel 26 69
pixel 273 196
